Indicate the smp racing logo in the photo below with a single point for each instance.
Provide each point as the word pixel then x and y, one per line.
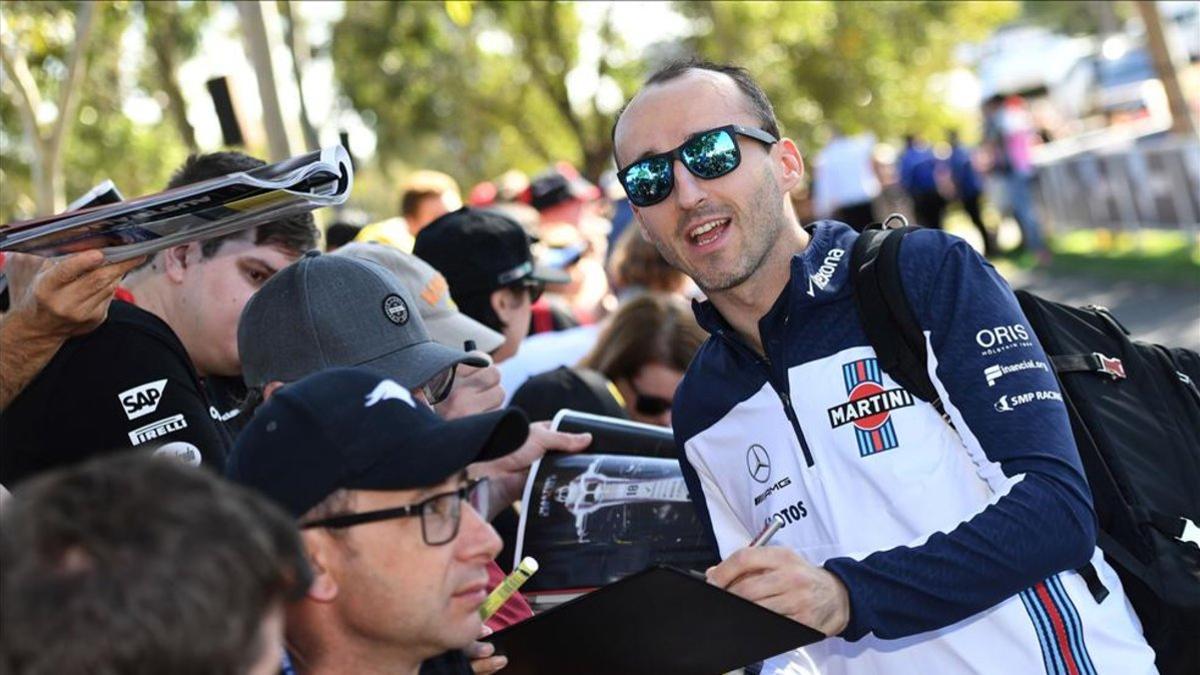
pixel 869 408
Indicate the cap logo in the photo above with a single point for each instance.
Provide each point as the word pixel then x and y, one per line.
pixel 515 274
pixel 389 390
pixel 395 309
pixel 435 290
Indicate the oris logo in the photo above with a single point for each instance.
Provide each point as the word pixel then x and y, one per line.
pixel 1001 335
pixel 758 463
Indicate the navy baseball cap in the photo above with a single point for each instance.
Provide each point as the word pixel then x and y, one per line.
pixel 349 428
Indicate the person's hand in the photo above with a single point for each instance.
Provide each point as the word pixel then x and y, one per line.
pixel 70 296
pixel 781 580
pixel 483 655
pixel 508 473
pixel 476 390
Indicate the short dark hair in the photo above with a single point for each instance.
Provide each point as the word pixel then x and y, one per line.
pixel 140 564
pixel 411 200
pixel 295 233
pixel 339 234
pixel 760 105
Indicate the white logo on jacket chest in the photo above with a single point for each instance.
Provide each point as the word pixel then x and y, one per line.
pixel 820 279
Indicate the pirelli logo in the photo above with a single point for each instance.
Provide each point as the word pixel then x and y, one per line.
pixel 869 410
pixel 157 429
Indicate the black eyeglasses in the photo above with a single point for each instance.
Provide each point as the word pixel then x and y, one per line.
pixel 440 514
pixel 438 387
pixel 708 154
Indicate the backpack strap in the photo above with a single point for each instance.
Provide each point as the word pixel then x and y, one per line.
pixel 888 320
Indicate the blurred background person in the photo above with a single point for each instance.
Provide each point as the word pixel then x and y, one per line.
pixel 340 233
pixel 141 565
pixel 847 181
pixel 1010 137
pixel 425 196
pixel 644 350
pixel 968 188
pixel 919 177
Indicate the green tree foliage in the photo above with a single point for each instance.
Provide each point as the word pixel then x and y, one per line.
pixel 864 66
pixel 102 142
pixel 475 89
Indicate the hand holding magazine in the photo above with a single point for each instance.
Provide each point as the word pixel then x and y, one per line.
pixel 593 518
pixel 203 210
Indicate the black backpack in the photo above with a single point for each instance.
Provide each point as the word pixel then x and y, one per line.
pixel 1135 414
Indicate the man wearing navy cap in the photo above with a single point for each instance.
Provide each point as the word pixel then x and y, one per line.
pixel 394 531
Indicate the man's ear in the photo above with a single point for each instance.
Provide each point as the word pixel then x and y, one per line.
pixel 269 390
pixel 792 165
pixel 324 587
pixel 177 259
pixel 504 303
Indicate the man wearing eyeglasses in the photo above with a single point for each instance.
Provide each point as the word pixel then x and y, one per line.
pixel 394 527
pixel 917 546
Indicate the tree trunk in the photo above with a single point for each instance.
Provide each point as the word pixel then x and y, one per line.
pixel 1181 121
pixel 298 46
pixel 162 31
pixel 258 48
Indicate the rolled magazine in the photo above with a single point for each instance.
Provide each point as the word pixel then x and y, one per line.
pixel 203 210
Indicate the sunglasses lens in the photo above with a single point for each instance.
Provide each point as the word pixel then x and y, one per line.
pixel 648 181
pixel 438 388
pixel 536 289
pixel 711 155
pixel 651 405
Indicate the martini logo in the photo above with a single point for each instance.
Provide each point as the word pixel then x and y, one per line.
pixel 869 408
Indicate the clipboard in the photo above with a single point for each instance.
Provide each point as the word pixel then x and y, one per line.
pixel 660 621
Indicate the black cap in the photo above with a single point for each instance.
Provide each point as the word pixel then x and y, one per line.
pixel 479 251
pixel 556 186
pixel 348 428
pixel 542 396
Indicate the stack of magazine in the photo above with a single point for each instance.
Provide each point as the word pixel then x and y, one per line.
pixel 211 208
pixel 593 518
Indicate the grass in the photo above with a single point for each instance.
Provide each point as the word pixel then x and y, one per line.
pixel 1155 256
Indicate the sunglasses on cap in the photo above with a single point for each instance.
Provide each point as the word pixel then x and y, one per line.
pixel 707 155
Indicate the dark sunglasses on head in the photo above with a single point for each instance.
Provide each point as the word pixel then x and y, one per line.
pixel 708 154
pixel 440 514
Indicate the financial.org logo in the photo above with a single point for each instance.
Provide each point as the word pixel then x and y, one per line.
pixel 758 463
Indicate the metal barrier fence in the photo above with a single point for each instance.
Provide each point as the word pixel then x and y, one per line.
pixel 1122 184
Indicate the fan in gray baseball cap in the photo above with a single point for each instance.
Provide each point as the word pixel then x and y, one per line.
pixel 325 311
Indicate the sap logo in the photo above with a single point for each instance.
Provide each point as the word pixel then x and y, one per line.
pixel 774 488
pixel 143 399
pixel 154 430
pixel 1008 403
pixel 825 272
pixel 389 390
pixel 791 514
pixel 1001 335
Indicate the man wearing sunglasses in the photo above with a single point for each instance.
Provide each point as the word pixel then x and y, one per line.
pixel 486 258
pixel 393 525
pixel 917 545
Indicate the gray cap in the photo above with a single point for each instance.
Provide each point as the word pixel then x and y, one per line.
pixel 429 289
pixel 325 311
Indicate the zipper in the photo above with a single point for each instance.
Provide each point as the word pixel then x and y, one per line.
pixel 783 393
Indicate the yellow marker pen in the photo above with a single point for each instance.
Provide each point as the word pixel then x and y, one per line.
pixel 504 591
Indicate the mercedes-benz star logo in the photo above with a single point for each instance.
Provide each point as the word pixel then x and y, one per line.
pixel 758 462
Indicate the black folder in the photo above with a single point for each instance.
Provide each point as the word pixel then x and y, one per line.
pixel 660 621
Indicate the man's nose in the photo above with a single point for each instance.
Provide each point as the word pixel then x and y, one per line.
pixel 478 537
pixel 689 192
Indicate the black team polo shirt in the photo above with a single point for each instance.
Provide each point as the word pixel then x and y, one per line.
pixel 129 383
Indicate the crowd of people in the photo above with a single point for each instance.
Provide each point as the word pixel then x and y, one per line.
pixel 327 446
